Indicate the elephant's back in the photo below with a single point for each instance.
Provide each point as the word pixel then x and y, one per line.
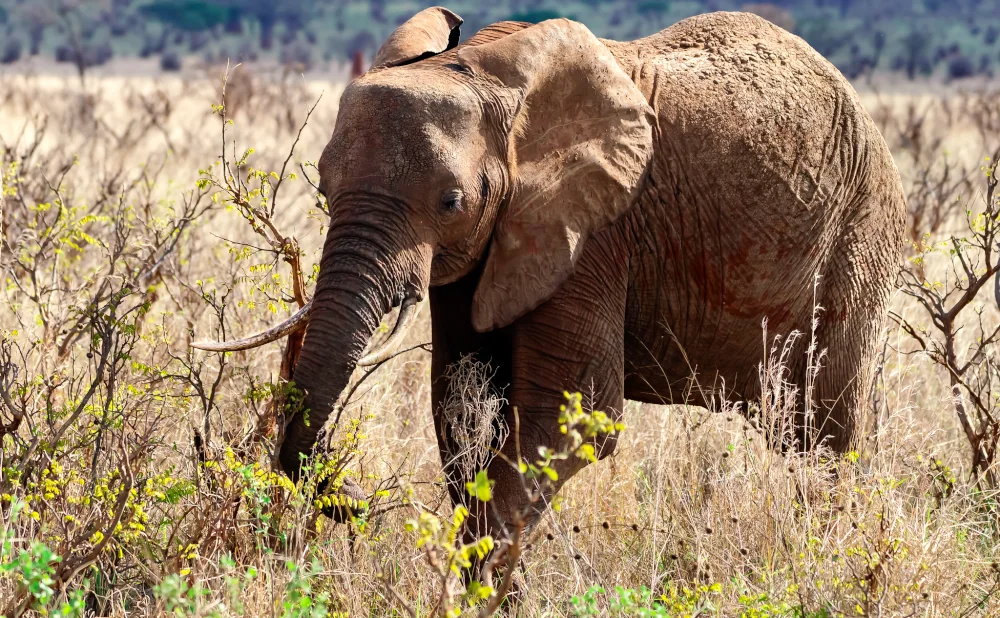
pixel 767 166
pixel 753 110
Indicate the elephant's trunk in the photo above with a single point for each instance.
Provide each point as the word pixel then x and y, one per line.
pixel 360 279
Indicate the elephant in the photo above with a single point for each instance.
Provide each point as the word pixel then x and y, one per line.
pixel 605 217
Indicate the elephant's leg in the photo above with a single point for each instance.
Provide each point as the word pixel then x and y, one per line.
pixel 454 338
pixel 854 295
pixel 574 342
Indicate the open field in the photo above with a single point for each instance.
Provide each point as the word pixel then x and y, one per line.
pixel 135 473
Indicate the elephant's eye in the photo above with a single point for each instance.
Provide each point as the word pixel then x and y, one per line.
pixel 451 201
pixel 484 188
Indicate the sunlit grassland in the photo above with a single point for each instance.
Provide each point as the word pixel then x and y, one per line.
pixel 99 251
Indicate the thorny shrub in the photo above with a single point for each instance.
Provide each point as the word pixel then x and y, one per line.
pixel 100 500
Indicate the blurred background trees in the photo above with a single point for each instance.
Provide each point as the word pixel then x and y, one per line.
pixel 953 39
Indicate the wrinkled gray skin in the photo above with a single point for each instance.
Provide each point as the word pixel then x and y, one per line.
pixel 604 217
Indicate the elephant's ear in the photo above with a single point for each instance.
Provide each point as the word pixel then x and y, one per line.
pixel 429 32
pixel 579 147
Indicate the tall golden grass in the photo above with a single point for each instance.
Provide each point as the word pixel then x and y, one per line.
pixel 154 495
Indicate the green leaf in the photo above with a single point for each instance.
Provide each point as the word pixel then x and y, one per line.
pixel 481 487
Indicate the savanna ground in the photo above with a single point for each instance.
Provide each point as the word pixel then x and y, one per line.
pixel 136 476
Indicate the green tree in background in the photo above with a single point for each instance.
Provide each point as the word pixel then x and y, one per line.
pixel 533 17
pixel 269 13
pixel 189 15
pixel 198 15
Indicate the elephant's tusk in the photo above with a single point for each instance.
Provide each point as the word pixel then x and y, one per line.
pixel 384 350
pixel 297 321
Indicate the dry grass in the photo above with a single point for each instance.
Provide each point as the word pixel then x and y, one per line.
pixel 692 506
pixel 472 414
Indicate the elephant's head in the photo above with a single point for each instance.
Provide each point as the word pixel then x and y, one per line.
pixel 512 148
